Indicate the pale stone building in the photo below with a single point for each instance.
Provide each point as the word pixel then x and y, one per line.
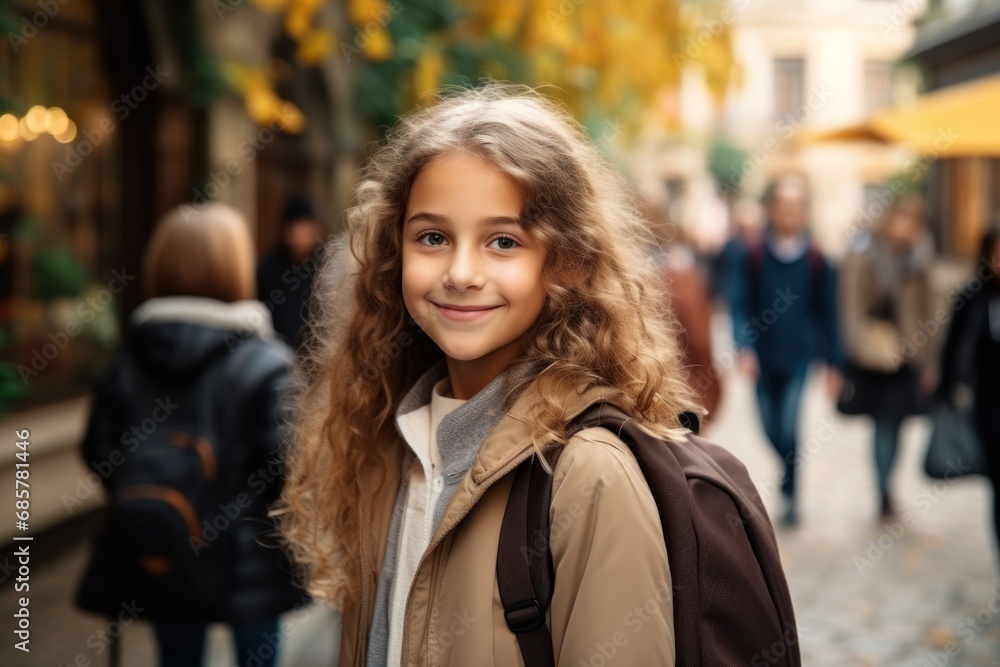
pixel 802 66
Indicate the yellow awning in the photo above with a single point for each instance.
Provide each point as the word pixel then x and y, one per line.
pixel 958 121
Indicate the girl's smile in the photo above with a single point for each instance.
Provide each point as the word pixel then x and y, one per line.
pixel 464 313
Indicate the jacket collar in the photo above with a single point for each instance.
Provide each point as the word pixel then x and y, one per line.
pixel 510 440
pixel 507 444
pixel 463 430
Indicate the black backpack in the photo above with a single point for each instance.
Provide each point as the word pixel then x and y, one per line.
pixel 166 494
pixel 730 599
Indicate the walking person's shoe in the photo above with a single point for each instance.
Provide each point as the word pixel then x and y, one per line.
pixel 790 517
pixel 887 509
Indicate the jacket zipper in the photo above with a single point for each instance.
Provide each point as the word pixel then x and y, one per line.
pixel 433 545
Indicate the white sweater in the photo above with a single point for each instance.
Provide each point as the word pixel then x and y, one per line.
pixel 419 429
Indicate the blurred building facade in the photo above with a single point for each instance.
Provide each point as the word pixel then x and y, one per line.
pixel 801 66
pixel 959 42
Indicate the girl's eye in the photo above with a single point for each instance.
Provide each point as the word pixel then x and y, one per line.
pixel 504 243
pixel 431 238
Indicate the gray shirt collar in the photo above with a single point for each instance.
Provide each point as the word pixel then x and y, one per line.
pixel 462 430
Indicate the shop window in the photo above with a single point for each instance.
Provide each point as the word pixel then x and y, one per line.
pixel 58 222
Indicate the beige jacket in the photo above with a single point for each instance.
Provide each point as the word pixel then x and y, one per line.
pixel 612 597
pixel 873 343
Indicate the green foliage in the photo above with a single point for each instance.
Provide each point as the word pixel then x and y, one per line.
pixel 725 163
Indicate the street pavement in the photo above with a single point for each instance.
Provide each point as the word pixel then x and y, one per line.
pixel 918 591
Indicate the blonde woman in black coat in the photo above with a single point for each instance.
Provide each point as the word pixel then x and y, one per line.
pixel 185 435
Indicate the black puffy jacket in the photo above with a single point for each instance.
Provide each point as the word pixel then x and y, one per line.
pixel 165 356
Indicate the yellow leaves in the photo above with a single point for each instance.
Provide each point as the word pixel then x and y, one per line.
pixel 363 11
pixel 299 18
pixel 314 46
pixel 506 18
pixel 427 75
pixel 263 104
pixel 372 19
pixel 378 46
pixel 612 49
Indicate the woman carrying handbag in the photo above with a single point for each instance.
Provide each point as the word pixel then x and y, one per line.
pixel 885 298
pixel 970 364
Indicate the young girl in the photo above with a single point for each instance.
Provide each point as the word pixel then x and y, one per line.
pixel 499 286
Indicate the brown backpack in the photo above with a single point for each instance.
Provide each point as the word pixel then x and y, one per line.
pixel 730 598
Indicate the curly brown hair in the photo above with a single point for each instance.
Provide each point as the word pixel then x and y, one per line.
pixel 606 321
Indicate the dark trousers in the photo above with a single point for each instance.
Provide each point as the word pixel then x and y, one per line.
pixel 778 398
pixel 886 445
pixel 183 644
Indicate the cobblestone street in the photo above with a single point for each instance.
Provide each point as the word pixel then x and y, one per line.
pixel 871 593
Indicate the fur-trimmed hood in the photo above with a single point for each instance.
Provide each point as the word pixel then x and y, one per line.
pixel 174 337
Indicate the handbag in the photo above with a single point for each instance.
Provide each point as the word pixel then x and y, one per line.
pixel 954 449
pixel 869 392
pixel 856 396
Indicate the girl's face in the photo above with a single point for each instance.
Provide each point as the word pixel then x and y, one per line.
pixel 472 276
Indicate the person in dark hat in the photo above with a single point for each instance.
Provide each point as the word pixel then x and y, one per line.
pixel 285 273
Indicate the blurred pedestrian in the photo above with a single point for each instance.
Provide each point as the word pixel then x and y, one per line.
pixel 885 298
pixel 728 265
pixel 185 434
pixel 691 305
pixel 970 362
pixel 784 318
pixel 285 273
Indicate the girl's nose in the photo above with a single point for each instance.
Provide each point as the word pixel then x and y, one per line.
pixel 464 270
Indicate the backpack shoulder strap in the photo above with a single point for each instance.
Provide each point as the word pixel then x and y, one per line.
pixel 525 584
pixel 816 261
